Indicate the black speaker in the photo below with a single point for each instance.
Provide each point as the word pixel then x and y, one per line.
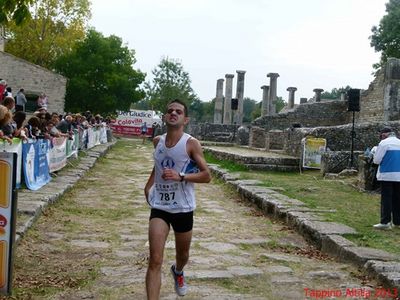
pixel 234 103
pixel 353 96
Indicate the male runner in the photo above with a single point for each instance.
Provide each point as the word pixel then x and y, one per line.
pixel 178 163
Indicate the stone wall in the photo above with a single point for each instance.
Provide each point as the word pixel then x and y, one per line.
pixel 328 113
pixel 336 161
pixel 371 101
pixel 381 101
pixel 257 137
pixel 34 79
pixel 338 137
pixel 214 132
pixel 275 139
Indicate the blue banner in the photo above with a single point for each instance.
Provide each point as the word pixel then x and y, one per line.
pixel 35 164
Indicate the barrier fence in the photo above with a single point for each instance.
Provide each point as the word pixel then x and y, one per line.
pixel 36 159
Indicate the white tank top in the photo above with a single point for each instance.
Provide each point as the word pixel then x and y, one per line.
pixel 168 195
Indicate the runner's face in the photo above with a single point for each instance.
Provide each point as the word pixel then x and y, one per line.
pixel 176 115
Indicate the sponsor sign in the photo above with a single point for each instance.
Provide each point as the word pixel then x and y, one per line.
pixel 312 152
pixel 130 122
pixel 35 163
pixel 8 210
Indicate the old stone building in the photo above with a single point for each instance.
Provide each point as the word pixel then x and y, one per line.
pixel 35 80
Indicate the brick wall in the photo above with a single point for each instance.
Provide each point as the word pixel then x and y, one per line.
pixel 34 79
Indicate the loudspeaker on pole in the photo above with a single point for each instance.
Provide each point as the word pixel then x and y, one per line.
pixel 353 96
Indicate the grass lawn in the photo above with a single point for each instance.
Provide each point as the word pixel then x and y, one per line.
pixel 354 208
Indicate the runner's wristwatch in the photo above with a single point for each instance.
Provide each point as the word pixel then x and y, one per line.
pixel 182 176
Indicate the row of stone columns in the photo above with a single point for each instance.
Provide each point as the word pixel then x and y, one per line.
pixel 269 94
pixel 226 102
pixel 268 104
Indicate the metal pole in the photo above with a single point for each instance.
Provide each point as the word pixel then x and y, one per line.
pixel 353 133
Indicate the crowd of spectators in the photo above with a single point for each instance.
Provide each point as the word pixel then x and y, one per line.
pixel 41 124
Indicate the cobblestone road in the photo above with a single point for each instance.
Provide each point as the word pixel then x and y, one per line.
pixel 100 229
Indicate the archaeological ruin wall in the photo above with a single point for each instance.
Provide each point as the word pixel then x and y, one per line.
pixel 35 80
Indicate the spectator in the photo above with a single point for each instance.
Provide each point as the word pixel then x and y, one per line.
pixel 52 131
pixel 5 120
pixel 20 101
pixel 55 118
pixel 3 85
pixel 143 132
pixel 42 101
pixel 19 120
pixel 9 102
pixel 32 127
pixel 387 156
pixel 154 127
pixel 8 92
pixel 65 126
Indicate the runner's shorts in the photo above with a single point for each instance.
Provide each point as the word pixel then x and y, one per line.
pixel 181 222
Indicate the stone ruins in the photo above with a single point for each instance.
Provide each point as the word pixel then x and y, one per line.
pixel 317 117
pixel 34 79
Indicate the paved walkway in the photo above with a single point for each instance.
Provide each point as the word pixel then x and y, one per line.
pixel 100 229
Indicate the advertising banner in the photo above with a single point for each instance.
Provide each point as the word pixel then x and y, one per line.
pixel 129 122
pixel 73 145
pixel 312 152
pixel 8 210
pixel 35 164
pixel 15 147
pixel 58 154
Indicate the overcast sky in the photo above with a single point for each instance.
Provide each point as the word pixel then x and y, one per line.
pixel 310 43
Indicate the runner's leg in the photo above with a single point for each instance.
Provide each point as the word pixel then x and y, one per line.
pixel 182 246
pixel 158 233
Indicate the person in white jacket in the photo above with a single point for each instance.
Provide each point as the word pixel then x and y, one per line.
pixel 387 156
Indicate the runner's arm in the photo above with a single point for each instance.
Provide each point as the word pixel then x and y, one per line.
pixel 196 153
pixel 150 181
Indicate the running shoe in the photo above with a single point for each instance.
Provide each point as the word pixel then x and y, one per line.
pixel 180 284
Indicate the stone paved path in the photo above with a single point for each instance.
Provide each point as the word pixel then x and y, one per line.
pixel 237 253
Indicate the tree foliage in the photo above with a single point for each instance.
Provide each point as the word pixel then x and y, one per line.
pixel 170 81
pixel 101 75
pixel 335 93
pixel 14 10
pixel 54 27
pixel 250 110
pixel 386 37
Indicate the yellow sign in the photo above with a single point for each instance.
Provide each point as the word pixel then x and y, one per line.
pixel 8 208
pixel 313 149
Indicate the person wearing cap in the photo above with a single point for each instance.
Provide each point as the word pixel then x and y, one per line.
pixel 387 156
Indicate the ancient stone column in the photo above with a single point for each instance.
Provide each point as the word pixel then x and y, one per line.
pixel 343 96
pixel 238 114
pixel 219 100
pixel 228 99
pixel 272 92
pixel 291 91
pixel 303 100
pixel 317 95
pixel 265 102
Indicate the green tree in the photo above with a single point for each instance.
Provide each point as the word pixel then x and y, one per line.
pixel 335 93
pixel 249 106
pixel 386 37
pixel 279 104
pixel 170 82
pixel 101 75
pixel 15 10
pixel 54 27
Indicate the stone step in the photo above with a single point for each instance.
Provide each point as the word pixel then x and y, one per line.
pixel 267 167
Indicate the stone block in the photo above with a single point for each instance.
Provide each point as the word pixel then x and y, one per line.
pixel 333 244
pixel 360 255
